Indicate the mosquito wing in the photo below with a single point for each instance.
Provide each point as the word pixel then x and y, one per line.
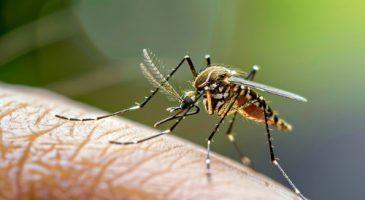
pixel 151 71
pixel 266 88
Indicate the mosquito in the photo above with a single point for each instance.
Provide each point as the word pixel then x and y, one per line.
pixel 225 92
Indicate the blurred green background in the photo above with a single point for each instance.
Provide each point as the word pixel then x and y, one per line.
pixel 91 50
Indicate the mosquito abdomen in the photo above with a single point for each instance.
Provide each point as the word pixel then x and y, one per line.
pixel 249 106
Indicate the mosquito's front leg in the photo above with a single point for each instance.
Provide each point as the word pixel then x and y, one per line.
pixel 146 100
pixel 179 119
pixel 210 138
pixel 177 115
pixel 136 107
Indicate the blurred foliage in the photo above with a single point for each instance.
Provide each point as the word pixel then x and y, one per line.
pixel 90 51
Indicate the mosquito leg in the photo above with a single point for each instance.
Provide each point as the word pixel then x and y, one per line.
pixel 251 75
pixel 244 159
pixel 136 107
pixel 153 136
pixel 207 58
pixel 191 65
pixel 207 159
pixel 146 99
pixel 159 134
pixel 177 115
pixel 274 160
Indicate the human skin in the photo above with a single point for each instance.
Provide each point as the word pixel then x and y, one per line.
pixel 43 157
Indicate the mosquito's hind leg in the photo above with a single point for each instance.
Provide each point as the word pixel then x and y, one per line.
pixel 274 160
pixel 251 75
pixel 244 159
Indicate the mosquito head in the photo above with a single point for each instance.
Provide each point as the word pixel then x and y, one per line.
pixel 188 99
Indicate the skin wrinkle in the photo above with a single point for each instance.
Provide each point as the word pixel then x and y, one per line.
pixel 173 188
pixel 167 169
pixel 36 134
pixel 142 161
pixel 195 189
pixel 110 189
pixel 150 146
pixel 114 152
pixel 176 186
pixel 178 157
pixel 42 174
pixel 83 143
pixel 107 147
pixel 104 150
pixel 186 153
pixel 23 159
pixel 98 177
pixel 72 130
pixel 31 138
pixel 133 193
pixel 263 183
pixel 72 125
pixel 2 147
pixel 107 133
pixel 8 103
pixel 135 166
pixel 207 185
pixel 41 116
pixel 191 162
pixel 20 167
pixel 9 112
pixel 52 146
pixel 6 194
pixel 151 175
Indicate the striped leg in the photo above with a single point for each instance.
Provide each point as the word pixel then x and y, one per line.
pixel 153 136
pixel 210 138
pixel 185 113
pixel 244 159
pixel 177 115
pixel 274 160
pixel 146 99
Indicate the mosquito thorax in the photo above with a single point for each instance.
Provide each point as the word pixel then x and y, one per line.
pixel 212 77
